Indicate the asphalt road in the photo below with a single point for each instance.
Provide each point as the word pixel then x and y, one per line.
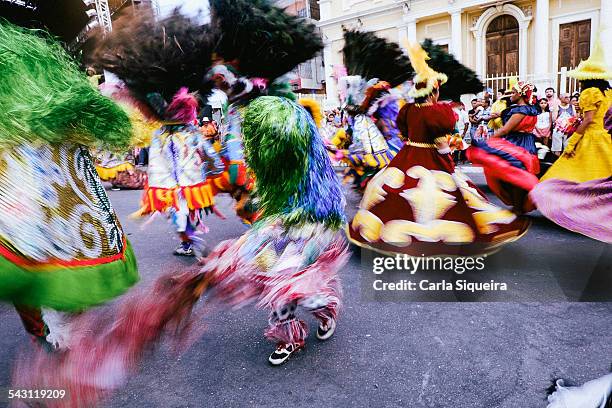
pixel 402 350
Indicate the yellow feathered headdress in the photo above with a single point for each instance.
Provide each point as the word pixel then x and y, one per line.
pixel 426 79
pixel 314 108
pixel 594 67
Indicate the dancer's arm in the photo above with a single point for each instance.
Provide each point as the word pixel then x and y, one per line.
pixel 570 149
pixel 514 121
pixel 586 121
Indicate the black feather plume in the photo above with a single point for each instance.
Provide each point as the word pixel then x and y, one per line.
pixel 262 39
pixel 157 56
pixel 371 57
pixel 461 79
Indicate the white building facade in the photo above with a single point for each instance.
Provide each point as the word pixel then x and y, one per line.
pixel 538 40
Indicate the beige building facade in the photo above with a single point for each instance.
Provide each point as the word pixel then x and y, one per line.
pixel 538 40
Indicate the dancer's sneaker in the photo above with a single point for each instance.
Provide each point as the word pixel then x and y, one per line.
pixel 325 331
pixel 283 352
pixel 185 249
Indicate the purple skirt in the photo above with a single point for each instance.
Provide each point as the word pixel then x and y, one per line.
pixel 585 208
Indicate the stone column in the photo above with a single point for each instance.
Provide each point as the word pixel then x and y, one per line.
pixel 456 45
pixel 331 88
pixel 605 24
pixel 542 78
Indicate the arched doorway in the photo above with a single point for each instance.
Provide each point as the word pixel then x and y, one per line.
pixel 502 46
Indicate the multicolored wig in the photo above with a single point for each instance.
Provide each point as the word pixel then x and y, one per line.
pixel 282 143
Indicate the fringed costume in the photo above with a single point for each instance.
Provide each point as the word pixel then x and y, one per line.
pixel 174 54
pixel 292 254
pixel 181 164
pixel 61 244
pixel 509 157
pixel 289 258
pixel 421 204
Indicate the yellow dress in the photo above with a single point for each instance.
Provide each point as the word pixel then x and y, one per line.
pixel 593 150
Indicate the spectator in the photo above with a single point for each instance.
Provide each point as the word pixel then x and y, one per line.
pixel 484 116
pixel 575 104
pixel 94 79
pixel 209 128
pixel 551 98
pixel 463 120
pixel 472 119
pixel 561 116
pixel 544 125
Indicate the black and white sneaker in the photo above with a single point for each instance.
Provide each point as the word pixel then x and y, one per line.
pixel 283 352
pixel 185 249
pixel 325 331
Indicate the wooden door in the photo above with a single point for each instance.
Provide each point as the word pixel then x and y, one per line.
pixel 574 43
pixel 502 46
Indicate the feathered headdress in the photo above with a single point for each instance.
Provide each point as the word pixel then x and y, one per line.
pixel 260 39
pixel 370 57
pixel 157 57
pixel 593 67
pixel 426 79
pixel 461 79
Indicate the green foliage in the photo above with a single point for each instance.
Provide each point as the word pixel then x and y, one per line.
pixel 44 95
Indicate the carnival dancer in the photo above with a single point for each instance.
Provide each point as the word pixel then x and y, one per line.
pixel 291 255
pixel 181 163
pixel 576 191
pixel 509 157
pixel 374 66
pixel 421 204
pixel 289 258
pixel 61 244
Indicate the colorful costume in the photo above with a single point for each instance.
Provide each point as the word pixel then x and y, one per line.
pixel 591 152
pixel 510 163
pixel 181 163
pixel 61 244
pixel 292 254
pixel 374 66
pixel 576 191
pixel 421 204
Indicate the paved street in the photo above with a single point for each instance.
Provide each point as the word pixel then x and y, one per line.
pixel 399 353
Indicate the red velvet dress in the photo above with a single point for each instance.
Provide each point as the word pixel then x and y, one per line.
pixel 421 205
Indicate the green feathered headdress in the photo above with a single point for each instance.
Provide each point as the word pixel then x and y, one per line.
pixel 44 95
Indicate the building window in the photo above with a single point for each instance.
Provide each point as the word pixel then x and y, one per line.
pixel 574 43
